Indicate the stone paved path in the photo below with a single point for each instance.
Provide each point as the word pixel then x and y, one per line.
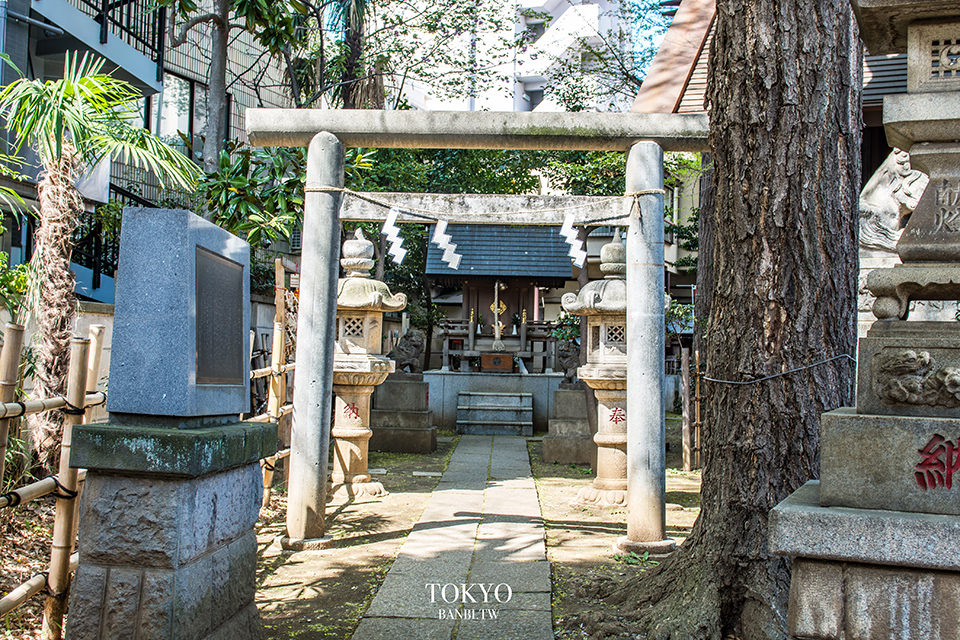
pixel 482 525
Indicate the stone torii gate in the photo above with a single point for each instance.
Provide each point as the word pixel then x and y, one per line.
pixel 326 133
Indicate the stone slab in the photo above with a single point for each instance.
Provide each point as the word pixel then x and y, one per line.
pixel 871 462
pixel 801 527
pixel 569 427
pixel 156 333
pixel 848 601
pixel 522 576
pixel 373 628
pixel 903 369
pixel 921 117
pixel 509 624
pixel 186 453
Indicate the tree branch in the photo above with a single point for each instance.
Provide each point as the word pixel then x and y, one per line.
pixel 177 38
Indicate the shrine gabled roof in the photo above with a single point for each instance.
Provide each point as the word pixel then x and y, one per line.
pixel 502 250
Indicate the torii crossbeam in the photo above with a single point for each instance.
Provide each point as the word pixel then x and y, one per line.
pixel 325 133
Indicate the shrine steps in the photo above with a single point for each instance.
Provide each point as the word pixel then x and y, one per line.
pixel 485 413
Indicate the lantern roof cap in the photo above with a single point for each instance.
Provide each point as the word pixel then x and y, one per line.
pixel 603 296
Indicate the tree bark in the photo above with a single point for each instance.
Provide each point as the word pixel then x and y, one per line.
pixel 705 237
pixel 784 93
pixel 216 130
pixel 55 305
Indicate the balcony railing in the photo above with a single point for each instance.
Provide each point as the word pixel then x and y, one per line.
pixel 139 23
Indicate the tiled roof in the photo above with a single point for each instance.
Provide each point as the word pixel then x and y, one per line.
pixel 500 250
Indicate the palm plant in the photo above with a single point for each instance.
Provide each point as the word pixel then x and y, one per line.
pixel 73 123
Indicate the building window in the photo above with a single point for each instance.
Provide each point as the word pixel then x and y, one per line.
pixel 183 110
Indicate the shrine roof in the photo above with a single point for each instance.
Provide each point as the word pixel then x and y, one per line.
pixel 502 250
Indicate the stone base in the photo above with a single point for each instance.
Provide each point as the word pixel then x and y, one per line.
pixel 592 496
pixel 352 491
pixel 843 601
pixel 404 439
pixel 305 544
pixel 166 558
pixel 800 527
pixel 569 450
pixel 655 547
pixel 883 472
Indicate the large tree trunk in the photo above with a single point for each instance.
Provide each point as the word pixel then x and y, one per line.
pixel 216 131
pixel 55 305
pixel 784 94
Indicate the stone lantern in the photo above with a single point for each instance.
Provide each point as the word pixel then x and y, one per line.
pixel 358 366
pixel 604 303
pixel 874 542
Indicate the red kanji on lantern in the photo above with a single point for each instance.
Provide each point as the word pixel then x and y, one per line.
pixel 941 458
pixel 351 411
pixel 617 415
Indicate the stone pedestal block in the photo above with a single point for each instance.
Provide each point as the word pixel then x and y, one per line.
pixel 900 463
pixel 351 437
pixel 609 488
pixel 910 369
pixel 167 553
pixel 400 419
pixel 569 440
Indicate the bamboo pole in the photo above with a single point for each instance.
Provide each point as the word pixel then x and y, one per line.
pixel 9 377
pixel 30 588
pixel 17 409
pixel 58 581
pixel 687 436
pixel 277 391
pixel 94 357
pixel 34 490
pixel 275 372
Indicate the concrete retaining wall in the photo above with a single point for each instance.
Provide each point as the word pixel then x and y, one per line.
pixel 445 385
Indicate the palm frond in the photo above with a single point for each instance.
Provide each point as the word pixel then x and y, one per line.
pixel 92 111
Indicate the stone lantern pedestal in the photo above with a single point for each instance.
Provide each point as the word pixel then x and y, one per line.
pixel 358 367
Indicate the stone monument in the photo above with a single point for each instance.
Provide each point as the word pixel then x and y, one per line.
pixel 401 419
pixel 166 538
pixel 569 440
pixel 604 303
pixel 358 366
pixel 874 539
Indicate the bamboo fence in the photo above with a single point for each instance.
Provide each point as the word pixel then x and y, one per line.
pixel 690 432
pixel 277 371
pixel 67 484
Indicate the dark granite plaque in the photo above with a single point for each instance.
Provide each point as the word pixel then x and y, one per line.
pixel 219 319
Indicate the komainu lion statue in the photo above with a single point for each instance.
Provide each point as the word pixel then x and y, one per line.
pixel 409 351
pixel 887 200
pixel 568 359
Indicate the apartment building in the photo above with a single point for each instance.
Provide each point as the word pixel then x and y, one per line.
pixel 131 35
